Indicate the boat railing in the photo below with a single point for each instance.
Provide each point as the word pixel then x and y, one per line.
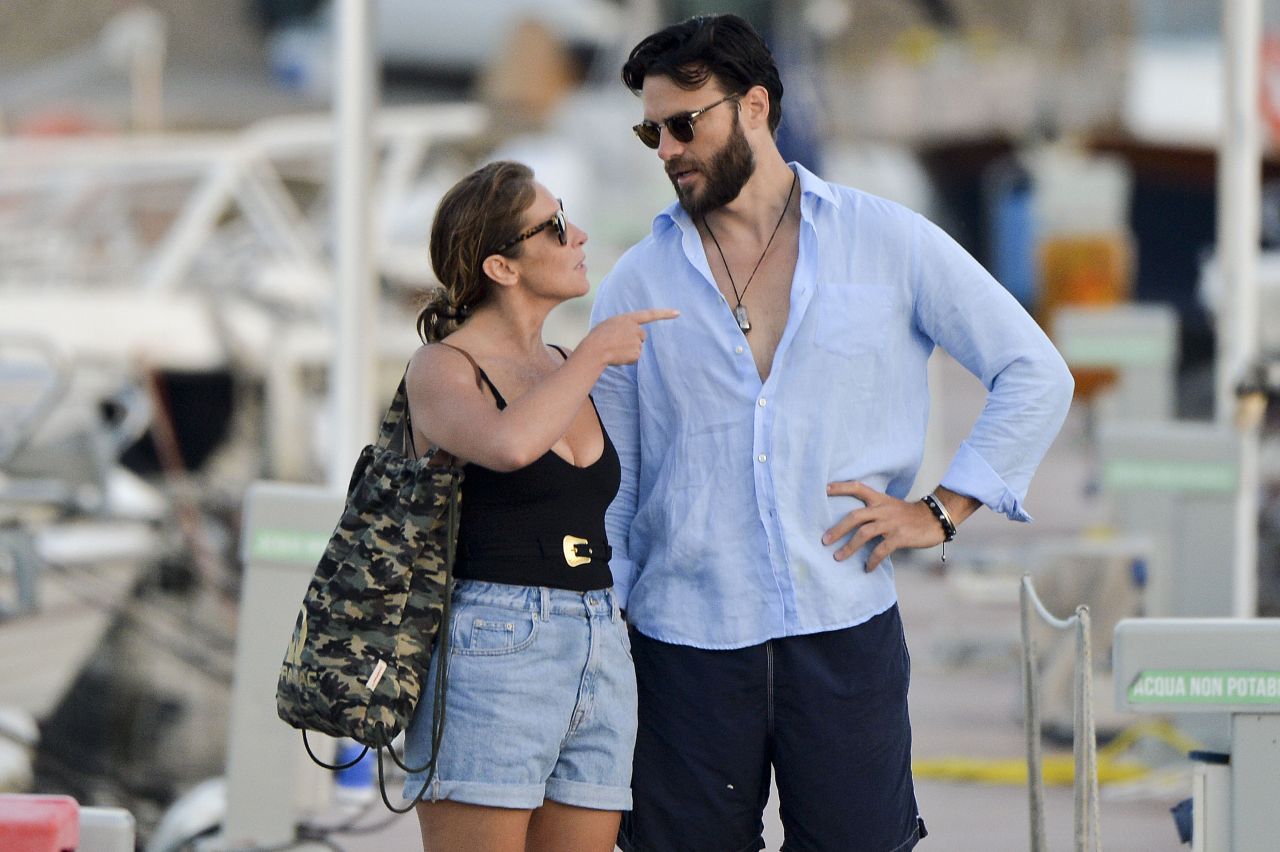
pixel 85 209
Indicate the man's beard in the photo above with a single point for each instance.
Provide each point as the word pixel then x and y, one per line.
pixel 730 169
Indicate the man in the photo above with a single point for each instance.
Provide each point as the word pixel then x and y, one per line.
pixel 767 439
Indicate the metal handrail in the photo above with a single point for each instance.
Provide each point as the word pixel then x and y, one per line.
pixel 1084 735
pixel 231 170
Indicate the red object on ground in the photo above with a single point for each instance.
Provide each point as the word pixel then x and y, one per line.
pixel 59 121
pixel 30 823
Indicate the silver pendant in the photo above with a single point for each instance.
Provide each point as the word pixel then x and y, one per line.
pixel 740 314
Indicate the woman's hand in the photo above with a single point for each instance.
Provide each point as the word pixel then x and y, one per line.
pixel 619 339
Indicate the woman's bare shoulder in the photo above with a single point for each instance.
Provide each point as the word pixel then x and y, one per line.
pixel 442 366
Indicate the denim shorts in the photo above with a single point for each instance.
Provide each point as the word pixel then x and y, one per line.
pixel 541 701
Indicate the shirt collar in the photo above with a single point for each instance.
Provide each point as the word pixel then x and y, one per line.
pixel 810 185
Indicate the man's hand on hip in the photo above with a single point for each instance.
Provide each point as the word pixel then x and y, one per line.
pixel 897 523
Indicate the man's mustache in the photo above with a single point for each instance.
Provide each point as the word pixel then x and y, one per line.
pixel 676 166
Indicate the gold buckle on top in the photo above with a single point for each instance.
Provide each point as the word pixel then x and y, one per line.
pixel 571 552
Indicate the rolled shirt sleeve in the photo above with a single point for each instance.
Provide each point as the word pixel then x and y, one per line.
pixel 1029 388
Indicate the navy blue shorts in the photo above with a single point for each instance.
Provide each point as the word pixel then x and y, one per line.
pixel 827 710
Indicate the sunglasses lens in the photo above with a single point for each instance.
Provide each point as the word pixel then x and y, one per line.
pixel 562 228
pixel 681 128
pixel 648 133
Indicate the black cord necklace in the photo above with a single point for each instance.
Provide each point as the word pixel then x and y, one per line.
pixel 740 310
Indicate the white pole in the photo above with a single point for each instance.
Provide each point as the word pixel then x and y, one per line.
pixel 351 370
pixel 1239 200
pixel 146 89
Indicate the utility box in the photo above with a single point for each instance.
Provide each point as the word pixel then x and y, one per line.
pixel 1137 342
pixel 1175 483
pixel 33 823
pixel 1223 667
pixel 286 528
pixel 107 830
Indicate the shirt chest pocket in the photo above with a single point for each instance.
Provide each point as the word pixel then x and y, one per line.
pixel 856 319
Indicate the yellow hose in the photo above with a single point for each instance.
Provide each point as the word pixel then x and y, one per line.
pixel 1059 769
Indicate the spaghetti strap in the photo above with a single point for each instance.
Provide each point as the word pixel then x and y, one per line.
pixel 480 374
pixel 590 398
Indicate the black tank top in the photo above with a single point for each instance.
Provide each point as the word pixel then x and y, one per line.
pixel 541 525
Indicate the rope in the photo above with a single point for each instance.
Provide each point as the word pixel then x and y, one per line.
pixel 1084 734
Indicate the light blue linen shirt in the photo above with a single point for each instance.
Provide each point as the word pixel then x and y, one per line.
pixel 717 528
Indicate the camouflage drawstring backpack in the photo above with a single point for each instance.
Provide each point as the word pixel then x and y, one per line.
pixel 362 643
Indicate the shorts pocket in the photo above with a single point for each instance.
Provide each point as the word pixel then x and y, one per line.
pixel 490 632
pixel 624 634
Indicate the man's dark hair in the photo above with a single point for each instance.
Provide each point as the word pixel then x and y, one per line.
pixel 721 46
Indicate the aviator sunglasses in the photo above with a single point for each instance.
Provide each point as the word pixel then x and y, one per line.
pixel 680 126
pixel 562 230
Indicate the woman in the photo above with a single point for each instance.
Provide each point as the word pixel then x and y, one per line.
pixel 540 710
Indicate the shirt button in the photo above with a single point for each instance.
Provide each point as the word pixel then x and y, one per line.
pixel 761 458
pixel 738 350
pixel 762 403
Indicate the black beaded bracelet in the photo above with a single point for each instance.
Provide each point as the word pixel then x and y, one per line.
pixel 944 518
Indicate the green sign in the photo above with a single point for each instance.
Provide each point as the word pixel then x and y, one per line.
pixel 1173 686
pixel 1169 475
pixel 287 546
pixel 1116 351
